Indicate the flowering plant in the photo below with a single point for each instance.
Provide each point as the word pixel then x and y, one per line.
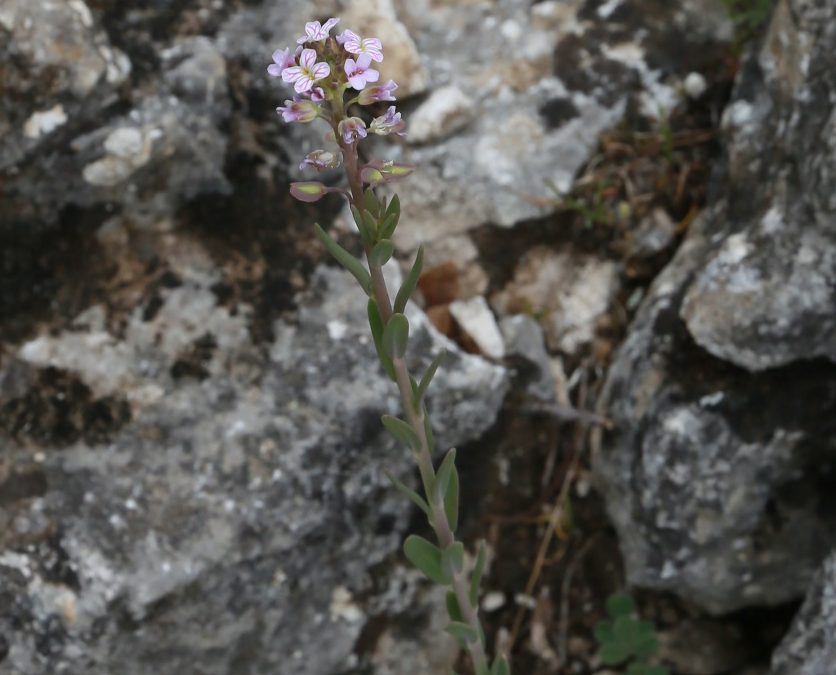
pixel 334 76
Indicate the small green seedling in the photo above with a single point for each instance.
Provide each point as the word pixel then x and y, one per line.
pixel 626 640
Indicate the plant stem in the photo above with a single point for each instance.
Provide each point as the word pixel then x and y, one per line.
pixel 416 419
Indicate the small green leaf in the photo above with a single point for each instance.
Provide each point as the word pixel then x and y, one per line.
pixel 381 253
pixel 410 282
pixel 463 632
pixel 620 604
pixel 500 666
pixel 428 432
pixel 614 653
pixel 604 632
pixel 625 629
pixel 637 669
pixel 426 557
pixel 387 229
pixel 428 376
pixel 478 571
pixel 451 500
pixel 656 670
pixel 371 203
pixel 453 609
pixel 376 325
pixel 645 646
pixel 369 234
pixel 401 431
pixel 345 259
pixel 442 478
pixel 396 336
pixel 453 556
pixel 409 493
pixel 394 207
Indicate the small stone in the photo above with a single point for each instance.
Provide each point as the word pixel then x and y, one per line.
pixel 477 321
pixel 44 122
pixel 493 601
pixel 446 111
pixel 695 85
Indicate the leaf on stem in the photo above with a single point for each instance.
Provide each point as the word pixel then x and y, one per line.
pixel 367 231
pixel 410 494
pixel 401 431
pixel 345 259
pixel 376 325
pixel 478 570
pixel 371 202
pixel 500 666
pixel 381 253
pixel 411 281
pixel 453 609
pixel 396 336
pixel 428 376
pixel 463 632
pixel 426 557
pixel 442 478
pixel 451 500
pixel 452 557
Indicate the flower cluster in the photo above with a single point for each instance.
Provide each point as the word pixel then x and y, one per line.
pixel 331 76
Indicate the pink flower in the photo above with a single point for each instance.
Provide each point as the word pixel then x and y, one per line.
pixel 355 45
pixel 298 110
pixel 359 73
pixel 307 72
pixel 382 92
pixel 282 58
pixel 351 129
pixel 316 32
pixel 390 123
pixel 321 160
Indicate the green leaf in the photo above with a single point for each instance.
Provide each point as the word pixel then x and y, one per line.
pixel 401 431
pixel 396 336
pixel 463 632
pixel 452 557
pixel 451 500
pixel 394 207
pixel 453 609
pixel 381 253
pixel 345 259
pixel 428 432
pixel 645 646
pixel 410 282
pixel 426 557
pixel 637 669
pixel 620 604
pixel 371 202
pixel 428 376
pixel 376 325
pixel 369 234
pixel 500 666
pixel 614 653
pixel 442 478
pixel 604 632
pixel 387 229
pixel 626 629
pixel 656 670
pixel 409 493
pixel 478 571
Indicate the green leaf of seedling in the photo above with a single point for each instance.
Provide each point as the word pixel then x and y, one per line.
pixel 626 630
pixel 620 604
pixel 500 666
pixel 478 571
pixel 451 500
pixel 614 653
pixel 371 202
pixel 604 632
pixel 410 494
pixel 401 431
pixel 637 669
pixel 396 336
pixel 428 376
pixel 453 557
pixel 453 609
pixel 463 632
pixel 426 557
pixel 410 282
pixel 381 253
pixel 376 325
pixel 345 259
pixel 442 478
pixel 656 670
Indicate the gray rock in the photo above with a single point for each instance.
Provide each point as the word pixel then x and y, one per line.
pixel 230 521
pixel 719 475
pixel 524 342
pixel 810 646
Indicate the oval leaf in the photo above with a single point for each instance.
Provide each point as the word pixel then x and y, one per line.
pixel 345 259
pixel 426 557
pixel 410 282
pixel 453 609
pixel 428 376
pixel 463 632
pixel 381 253
pixel 396 336
pixel 442 478
pixel 401 431
pixel 376 325
pixel 410 494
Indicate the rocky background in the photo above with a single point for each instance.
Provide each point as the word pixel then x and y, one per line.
pixel 630 223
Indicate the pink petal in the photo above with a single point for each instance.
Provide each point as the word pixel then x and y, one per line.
pixel 303 84
pixel 274 69
pixel 350 66
pixel 357 81
pixel 291 74
pixel 308 58
pixel 371 75
pixel 364 61
pixel 321 70
pixel 312 28
pixel 375 51
pixel 329 25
